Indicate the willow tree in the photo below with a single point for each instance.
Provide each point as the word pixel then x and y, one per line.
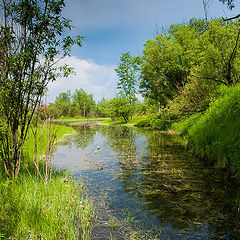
pixel 31 39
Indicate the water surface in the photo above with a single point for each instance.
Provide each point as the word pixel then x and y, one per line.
pixel 145 185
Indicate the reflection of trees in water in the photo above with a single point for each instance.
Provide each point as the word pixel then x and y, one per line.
pixel 85 135
pixel 184 192
pixel 123 141
pixel 177 189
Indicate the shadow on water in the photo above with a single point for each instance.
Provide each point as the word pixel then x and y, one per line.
pixel 147 186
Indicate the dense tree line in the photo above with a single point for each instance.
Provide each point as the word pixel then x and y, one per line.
pixel 186 65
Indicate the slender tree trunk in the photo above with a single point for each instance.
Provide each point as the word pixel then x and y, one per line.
pixel 84 110
pixel 159 107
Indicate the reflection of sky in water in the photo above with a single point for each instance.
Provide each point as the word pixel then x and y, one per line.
pixel 149 177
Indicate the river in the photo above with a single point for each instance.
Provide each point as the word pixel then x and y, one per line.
pixel 146 185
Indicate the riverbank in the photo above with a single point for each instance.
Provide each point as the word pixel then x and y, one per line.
pixel 213 135
pixel 43 203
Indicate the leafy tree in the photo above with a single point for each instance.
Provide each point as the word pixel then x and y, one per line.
pixel 220 52
pixel 120 107
pixel 127 72
pixel 166 63
pixel 31 39
pixel 64 97
pixel 190 62
pixel 64 105
pixel 83 102
pixel 102 107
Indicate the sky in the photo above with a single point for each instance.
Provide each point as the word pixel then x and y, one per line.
pixel 113 27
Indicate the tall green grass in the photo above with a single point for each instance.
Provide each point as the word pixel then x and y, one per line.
pixel 184 125
pixel 58 132
pixel 32 207
pixel 216 133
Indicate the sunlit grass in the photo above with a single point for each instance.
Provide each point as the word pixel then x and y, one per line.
pixel 79 118
pixel 36 207
pixel 31 209
pixel 133 121
pixel 215 133
pixel 59 132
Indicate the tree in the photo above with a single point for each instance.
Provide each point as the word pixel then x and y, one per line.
pixel 102 107
pixel 127 73
pixel 83 102
pixel 230 4
pixel 166 63
pixel 120 107
pixel 64 105
pixel 31 42
pixel 192 60
pixel 220 52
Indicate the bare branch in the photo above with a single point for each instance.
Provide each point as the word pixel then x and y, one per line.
pixel 231 18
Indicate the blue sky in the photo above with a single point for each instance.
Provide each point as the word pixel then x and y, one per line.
pixel 112 27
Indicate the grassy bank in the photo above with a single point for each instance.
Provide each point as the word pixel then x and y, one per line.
pixel 44 205
pixel 79 119
pixel 156 121
pixel 134 121
pixel 216 133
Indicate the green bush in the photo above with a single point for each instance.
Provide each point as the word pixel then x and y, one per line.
pixel 155 121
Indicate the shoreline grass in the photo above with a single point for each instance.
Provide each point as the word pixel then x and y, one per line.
pixel 79 119
pixel 33 208
pixel 215 134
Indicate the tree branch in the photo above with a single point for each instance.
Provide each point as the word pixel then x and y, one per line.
pixel 231 18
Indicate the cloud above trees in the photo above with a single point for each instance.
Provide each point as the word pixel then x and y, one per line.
pixel 99 80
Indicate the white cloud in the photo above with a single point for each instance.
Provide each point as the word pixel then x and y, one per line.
pixel 99 80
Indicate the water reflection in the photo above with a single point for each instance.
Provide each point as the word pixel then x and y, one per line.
pixel 85 136
pixel 150 176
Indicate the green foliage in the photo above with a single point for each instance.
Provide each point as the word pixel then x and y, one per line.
pixel 31 209
pixel 187 65
pixel 155 121
pixel 102 108
pixel 194 97
pixel 120 107
pixel 127 72
pixel 216 133
pixel 166 63
pixel 63 105
pixel 219 56
pixel 184 125
pixel 83 102
pixel 57 131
